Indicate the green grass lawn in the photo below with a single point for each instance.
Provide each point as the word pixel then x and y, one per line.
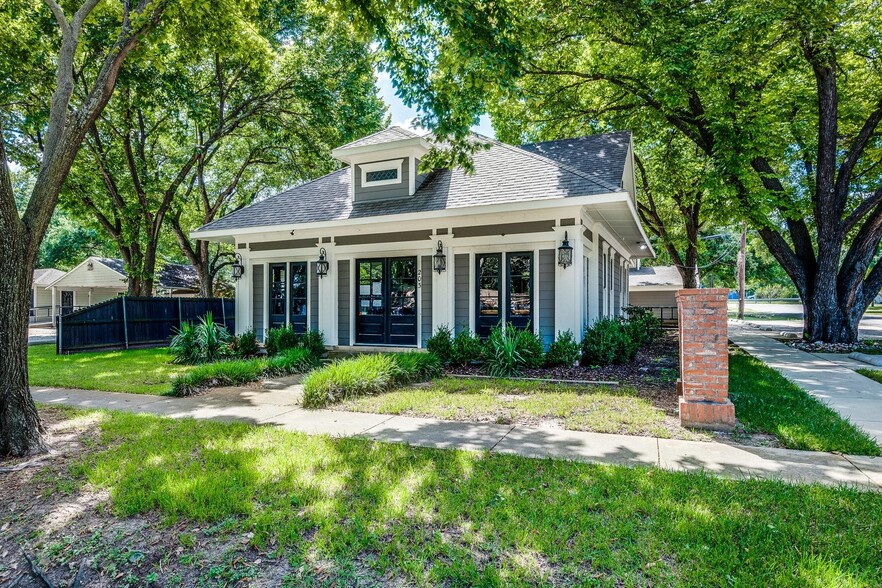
pixel 580 408
pixel 766 401
pixel 371 514
pixel 139 371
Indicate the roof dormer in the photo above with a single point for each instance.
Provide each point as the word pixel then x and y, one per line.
pixel 384 165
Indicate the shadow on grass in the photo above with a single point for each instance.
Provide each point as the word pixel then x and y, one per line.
pixel 460 518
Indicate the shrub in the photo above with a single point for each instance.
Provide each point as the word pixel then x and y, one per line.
pixel 531 349
pixel 563 351
pixel 357 376
pixel 291 361
pixel 415 366
pixel 242 371
pixel 441 344
pixel 503 356
pixel 245 345
pixel 222 373
pixel 366 375
pixel 282 338
pixel 645 326
pixel 205 342
pixel 314 342
pixel 467 347
pixel 608 341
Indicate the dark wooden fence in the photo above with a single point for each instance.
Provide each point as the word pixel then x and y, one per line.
pixel 130 321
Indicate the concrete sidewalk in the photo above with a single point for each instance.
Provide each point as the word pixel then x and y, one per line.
pixel 279 408
pixel 855 397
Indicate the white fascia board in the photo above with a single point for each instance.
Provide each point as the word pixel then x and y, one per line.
pixel 381 150
pixel 436 216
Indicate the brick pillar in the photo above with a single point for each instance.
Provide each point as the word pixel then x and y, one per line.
pixel 704 360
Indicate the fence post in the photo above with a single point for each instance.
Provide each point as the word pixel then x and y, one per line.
pixel 125 322
pixel 224 311
pixel 180 315
pixel 60 343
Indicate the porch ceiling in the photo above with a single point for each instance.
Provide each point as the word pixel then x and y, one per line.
pixel 618 217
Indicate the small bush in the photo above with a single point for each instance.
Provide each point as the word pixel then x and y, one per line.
pixel 204 342
pixel 365 375
pixel 531 349
pixel 645 326
pixel 414 366
pixel 211 375
pixel 314 342
pixel 564 351
pixel 245 345
pixel 282 338
pixel 357 376
pixel 291 361
pixel 441 344
pixel 502 353
pixel 607 342
pixel 467 347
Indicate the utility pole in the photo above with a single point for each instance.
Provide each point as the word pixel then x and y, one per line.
pixel 742 255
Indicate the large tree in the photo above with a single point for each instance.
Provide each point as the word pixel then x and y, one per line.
pixel 785 98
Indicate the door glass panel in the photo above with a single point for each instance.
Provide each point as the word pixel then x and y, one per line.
pixel 277 294
pixel 403 287
pixel 520 284
pixel 488 284
pixel 370 288
pixel 298 296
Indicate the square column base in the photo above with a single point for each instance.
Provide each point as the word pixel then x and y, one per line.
pixel 705 414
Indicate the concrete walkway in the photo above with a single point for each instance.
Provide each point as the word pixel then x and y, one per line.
pixel 279 407
pixel 855 397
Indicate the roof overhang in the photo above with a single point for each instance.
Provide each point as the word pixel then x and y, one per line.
pixel 415 146
pixel 621 218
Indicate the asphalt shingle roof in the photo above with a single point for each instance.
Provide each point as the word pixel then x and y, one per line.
pixel 45 276
pixel 502 173
pixel 662 275
pixel 384 136
pixel 172 275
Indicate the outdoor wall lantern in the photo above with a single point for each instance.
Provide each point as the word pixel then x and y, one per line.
pixel 565 253
pixel 440 259
pixel 322 265
pixel 237 268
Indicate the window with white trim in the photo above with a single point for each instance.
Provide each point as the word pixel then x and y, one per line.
pixel 381 173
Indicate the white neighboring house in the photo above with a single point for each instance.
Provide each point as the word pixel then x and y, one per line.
pixel 97 279
pixel 41 296
pixel 656 288
pixel 358 253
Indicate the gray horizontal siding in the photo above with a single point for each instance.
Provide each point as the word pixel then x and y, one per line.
pixel 545 277
pixel 258 299
pixel 426 298
pixel 343 311
pixel 313 298
pixel 461 292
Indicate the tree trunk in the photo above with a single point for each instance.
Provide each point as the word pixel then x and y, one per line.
pixel 829 323
pixel 20 426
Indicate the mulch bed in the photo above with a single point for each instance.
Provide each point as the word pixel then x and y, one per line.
pixel 656 366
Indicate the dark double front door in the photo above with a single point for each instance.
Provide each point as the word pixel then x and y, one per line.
pixel 386 301
pixel 287 295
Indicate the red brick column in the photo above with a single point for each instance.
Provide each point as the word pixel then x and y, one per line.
pixel 704 360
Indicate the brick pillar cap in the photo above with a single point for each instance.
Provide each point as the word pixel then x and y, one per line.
pixel 709 291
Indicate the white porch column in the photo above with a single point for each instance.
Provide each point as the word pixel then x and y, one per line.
pixel 568 286
pixel 594 270
pixel 442 289
pixel 328 290
pixel 244 295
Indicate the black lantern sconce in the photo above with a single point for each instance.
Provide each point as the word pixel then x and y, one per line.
pixel 238 268
pixel 440 259
pixel 565 253
pixel 322 265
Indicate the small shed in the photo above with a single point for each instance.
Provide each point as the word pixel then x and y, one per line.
pixel 654 287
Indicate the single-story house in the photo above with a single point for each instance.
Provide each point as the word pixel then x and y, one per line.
pixel 41 295
pixel 656 288
pixel 381 253
pixel 97 279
